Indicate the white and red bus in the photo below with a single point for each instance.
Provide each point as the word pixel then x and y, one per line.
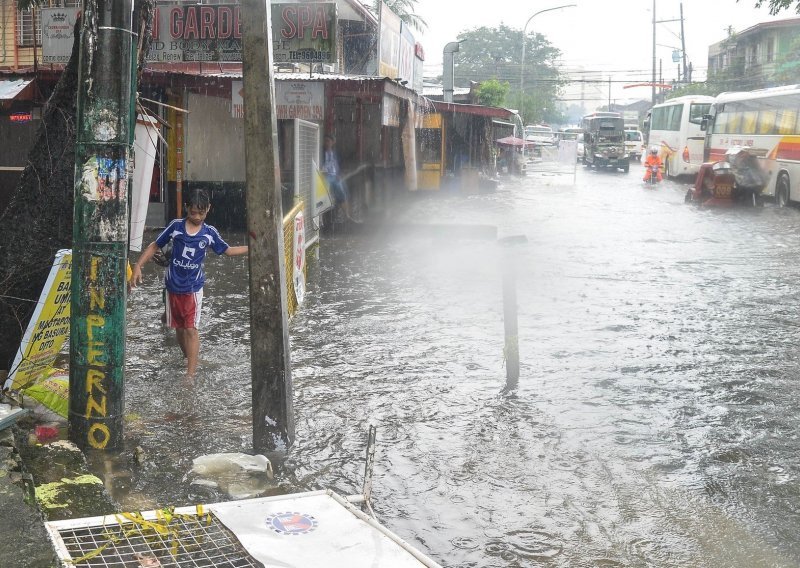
pixel 767 122
pixel 674 128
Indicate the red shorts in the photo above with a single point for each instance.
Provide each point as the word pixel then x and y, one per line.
pixel 183 310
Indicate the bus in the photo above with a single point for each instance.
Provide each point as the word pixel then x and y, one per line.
pixel 674 128
pixel 766 121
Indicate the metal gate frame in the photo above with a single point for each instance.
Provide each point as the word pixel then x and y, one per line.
pixel 306 162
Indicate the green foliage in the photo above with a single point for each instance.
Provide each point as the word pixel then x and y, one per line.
pixel 776 6
pixel 492 93
pixel 496 53
pixel 405 9
pixel 695 89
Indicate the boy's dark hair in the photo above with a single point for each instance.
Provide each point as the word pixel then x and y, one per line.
pixel 329 137
pixel 197 197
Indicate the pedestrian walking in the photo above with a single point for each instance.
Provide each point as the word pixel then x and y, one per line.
pixel 330 167
pixel 184 278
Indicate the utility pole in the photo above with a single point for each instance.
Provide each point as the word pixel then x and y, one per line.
pixel 105 122
pixel 683 47
pixel 609 94
pixel 271 372
pixel 654 54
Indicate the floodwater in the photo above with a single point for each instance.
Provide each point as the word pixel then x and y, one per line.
pixel 655 422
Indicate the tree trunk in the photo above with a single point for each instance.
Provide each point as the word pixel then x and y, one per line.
pixel 38 219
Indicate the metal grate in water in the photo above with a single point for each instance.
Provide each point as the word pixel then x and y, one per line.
pixel 190 541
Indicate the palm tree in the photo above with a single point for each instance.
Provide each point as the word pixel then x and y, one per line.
pixel 404 9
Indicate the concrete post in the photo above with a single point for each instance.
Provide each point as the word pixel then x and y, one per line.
pixel 100 231
pixel 273 417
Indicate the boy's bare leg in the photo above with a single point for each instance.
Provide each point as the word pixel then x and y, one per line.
pixel 189 340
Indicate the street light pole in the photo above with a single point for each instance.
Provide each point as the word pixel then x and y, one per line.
pixel 522 63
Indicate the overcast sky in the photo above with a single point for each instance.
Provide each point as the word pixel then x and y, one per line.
pixel 598 38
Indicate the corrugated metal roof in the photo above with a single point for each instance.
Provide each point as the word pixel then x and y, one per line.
pixel 438 90
pixel 10 88
pixel 479 110
pixel 278 76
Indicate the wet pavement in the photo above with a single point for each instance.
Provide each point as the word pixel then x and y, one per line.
pixel 655 419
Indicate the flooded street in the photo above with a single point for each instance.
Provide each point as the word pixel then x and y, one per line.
pixel 655 422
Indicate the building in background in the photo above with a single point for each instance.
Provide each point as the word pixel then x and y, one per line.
pixel 753 58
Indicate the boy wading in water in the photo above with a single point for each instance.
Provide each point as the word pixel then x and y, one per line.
pixel 184 278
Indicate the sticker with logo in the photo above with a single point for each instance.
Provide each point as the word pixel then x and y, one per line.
pixel 291 523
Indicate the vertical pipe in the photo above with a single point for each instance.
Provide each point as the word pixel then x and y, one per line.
pixel 510 324
pixel 448 73
pixel 273 416
pixel 100 231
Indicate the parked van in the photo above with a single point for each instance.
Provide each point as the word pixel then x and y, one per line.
pixel 634 144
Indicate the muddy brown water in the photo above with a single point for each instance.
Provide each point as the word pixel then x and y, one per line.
pixel 655 422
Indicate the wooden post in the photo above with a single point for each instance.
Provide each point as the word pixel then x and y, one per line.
pixel 273 417
pixel 100 230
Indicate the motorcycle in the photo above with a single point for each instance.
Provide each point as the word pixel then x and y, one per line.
pixel 655 173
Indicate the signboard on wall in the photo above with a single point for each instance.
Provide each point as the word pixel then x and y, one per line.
pixel 196 32
pixel 301 33
pixel 293 99
pixel 389 52
pixel 304 32
pixel 391 111
pixel 405 70
pixel 57 26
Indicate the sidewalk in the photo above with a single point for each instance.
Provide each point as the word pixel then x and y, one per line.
pixel 64 489
pixel 25 542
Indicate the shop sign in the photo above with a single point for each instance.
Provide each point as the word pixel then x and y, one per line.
pixel 389 52
pixel 293 99
pixel 391 111
pixel 57 38
pixel 198 32
pixel 304 32
pixel 20 117
pixel 47 329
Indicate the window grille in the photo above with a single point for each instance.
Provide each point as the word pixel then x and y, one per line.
pixel 25 27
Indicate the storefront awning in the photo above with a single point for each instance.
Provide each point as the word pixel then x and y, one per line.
pixel 10 89
pixel 477 110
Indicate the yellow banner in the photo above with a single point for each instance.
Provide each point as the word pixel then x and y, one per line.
pixel 48 328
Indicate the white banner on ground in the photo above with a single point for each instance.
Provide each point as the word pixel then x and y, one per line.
pixel 299 258
pixel 48 328
pixel 144 157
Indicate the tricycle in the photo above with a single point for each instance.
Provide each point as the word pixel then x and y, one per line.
pixel 737 179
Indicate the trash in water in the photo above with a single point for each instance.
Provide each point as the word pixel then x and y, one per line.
pixel 239 475
pixel 45 433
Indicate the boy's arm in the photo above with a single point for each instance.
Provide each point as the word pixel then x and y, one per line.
pixel 147 254
pixel 236 251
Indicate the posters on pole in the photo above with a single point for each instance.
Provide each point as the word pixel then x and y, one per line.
pixel 48 328
pixel 299 257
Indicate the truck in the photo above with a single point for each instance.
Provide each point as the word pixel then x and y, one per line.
pixel 604 141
